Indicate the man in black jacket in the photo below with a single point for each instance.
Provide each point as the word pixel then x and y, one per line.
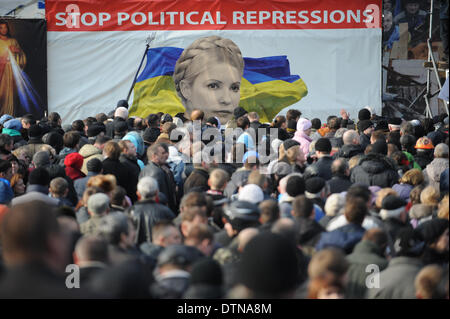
pixel 375 168
pixel 322 167
pixel 340 181
pixel 351 146
pixel 147 211
pixel 35 251
pixel 128 159
pixel 157 155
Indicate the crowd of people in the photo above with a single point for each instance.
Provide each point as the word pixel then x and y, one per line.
pixel 169 207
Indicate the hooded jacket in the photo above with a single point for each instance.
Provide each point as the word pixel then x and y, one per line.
pixel 365 253
pixel 349 150
pixel 374 169
pixel 89 152
pixel 433 171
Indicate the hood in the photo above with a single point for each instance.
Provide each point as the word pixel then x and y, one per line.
pixel 349 150
pixel 368 247
pixel 66 151
pixel 137 140
pixel 419 211
pixel 375 164
pixel 436 167
pixel 89 150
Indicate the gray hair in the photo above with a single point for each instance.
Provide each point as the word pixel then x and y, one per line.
pixel 441 151
pixel 147 187
pixel 112 226
pixel 340 132
pixel 349 136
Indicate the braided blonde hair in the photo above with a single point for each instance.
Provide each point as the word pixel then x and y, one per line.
pixel 194 59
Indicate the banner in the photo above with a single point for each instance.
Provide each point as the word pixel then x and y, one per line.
pixel 23 67
pixel 315 56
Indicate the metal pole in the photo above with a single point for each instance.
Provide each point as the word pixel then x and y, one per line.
pixel 428 112
pixel 149 40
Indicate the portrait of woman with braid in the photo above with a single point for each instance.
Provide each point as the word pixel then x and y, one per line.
pixel 207 77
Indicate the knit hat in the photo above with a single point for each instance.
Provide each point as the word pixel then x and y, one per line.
pixel 251 193
pixel 179 255
pixel 35 131
pixel 314 185
pixel 166 118
pixel 303 124
pixel 41 158
pixel 295 186
pixel 74 160
pixel 242 210
pixel 207 271
pixel 13 124
pixel 150 135
pixel 281 169
pixel 323 145
pixel 364 114
pixel 431 230
pixel 122 103
pixel 395 121
pixel 95 129
pixel 238 112
pixel 392 207
pixel 120 127
pixel 287 144
pixel 98 203
pixel 364 124
pixel 408 243
pixel 94 165
pixel 121 112
pixel 379 147
pixel 4 118
pixel 382 125
pixel 276 144
pixel 269 264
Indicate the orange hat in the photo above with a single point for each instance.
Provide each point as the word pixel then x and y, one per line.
pixel 424 143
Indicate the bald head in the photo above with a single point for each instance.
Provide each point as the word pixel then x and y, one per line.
pixel 245 236
pixel 91 248
pixel 441 151
pixel 350 137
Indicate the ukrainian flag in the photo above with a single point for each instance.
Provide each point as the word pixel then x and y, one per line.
pixel 267 86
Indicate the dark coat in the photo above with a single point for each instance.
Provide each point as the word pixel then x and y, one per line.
pixel 338 184
pixel 80 184
pixel 364 140
pixel 349 150
pixel 375 169
pixel 198 178
pixel 36 280
pixel 120 171
pixel 309 232
pixel 133 169
pixel 147 213
pixel 321 168
pixel 345 238
pixel 397 280
pixel 364 254
pixel 161 177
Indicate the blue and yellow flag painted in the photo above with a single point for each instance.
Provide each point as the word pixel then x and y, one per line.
pixel 267 86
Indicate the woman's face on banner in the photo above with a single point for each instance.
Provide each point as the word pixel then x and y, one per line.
pixel 216 91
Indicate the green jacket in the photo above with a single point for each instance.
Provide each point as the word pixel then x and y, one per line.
pixel 410 158
pixel 365 253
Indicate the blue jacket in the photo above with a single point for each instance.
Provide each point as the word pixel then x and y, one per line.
pixel 345 237
pixel 6 192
